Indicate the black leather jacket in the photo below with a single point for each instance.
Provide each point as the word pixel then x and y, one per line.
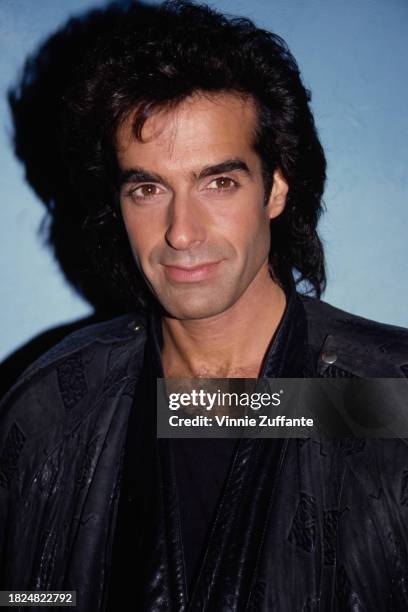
pixel 302 525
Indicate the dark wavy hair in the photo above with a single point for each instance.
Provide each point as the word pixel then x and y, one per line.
pixel 146 64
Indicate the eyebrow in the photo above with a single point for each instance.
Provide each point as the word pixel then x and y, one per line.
pixel 227 166
pixel 140 175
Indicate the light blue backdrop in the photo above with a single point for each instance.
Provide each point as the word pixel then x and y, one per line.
pixel 353 55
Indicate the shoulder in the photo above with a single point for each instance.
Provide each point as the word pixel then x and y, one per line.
pixel 58 388
pixel 355 344
pixel 100 339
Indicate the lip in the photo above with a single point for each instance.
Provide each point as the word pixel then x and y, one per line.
pixel 191 275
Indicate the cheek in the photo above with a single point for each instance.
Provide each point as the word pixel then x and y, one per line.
pixel 139 239
pixel 251 231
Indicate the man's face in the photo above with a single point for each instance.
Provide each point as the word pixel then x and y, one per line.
pixel 192 199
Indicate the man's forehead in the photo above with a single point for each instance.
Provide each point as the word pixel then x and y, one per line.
pixel 203 120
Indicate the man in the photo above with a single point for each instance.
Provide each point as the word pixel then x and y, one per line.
pixel 195 155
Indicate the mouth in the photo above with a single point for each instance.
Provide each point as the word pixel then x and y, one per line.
pixel 194 274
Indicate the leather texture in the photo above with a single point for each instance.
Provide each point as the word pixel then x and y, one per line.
pixel 302 525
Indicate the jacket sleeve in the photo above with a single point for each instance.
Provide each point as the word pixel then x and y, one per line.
pixel 6 466
pixel 372 563
pixel 19 415
pixel 3 533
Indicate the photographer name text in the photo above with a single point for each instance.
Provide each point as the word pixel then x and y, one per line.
pixel 260 420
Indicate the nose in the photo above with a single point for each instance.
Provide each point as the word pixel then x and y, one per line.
pixel 186 223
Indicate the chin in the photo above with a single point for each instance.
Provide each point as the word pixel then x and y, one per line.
pixel 195 308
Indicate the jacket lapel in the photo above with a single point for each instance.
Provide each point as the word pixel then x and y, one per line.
pixel 229 566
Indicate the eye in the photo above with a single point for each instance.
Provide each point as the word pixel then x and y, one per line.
pixel 222 183
pixel 145 191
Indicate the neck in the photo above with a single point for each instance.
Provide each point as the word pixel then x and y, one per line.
pixel 227 345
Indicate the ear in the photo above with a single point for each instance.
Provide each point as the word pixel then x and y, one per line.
pixel 277 199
